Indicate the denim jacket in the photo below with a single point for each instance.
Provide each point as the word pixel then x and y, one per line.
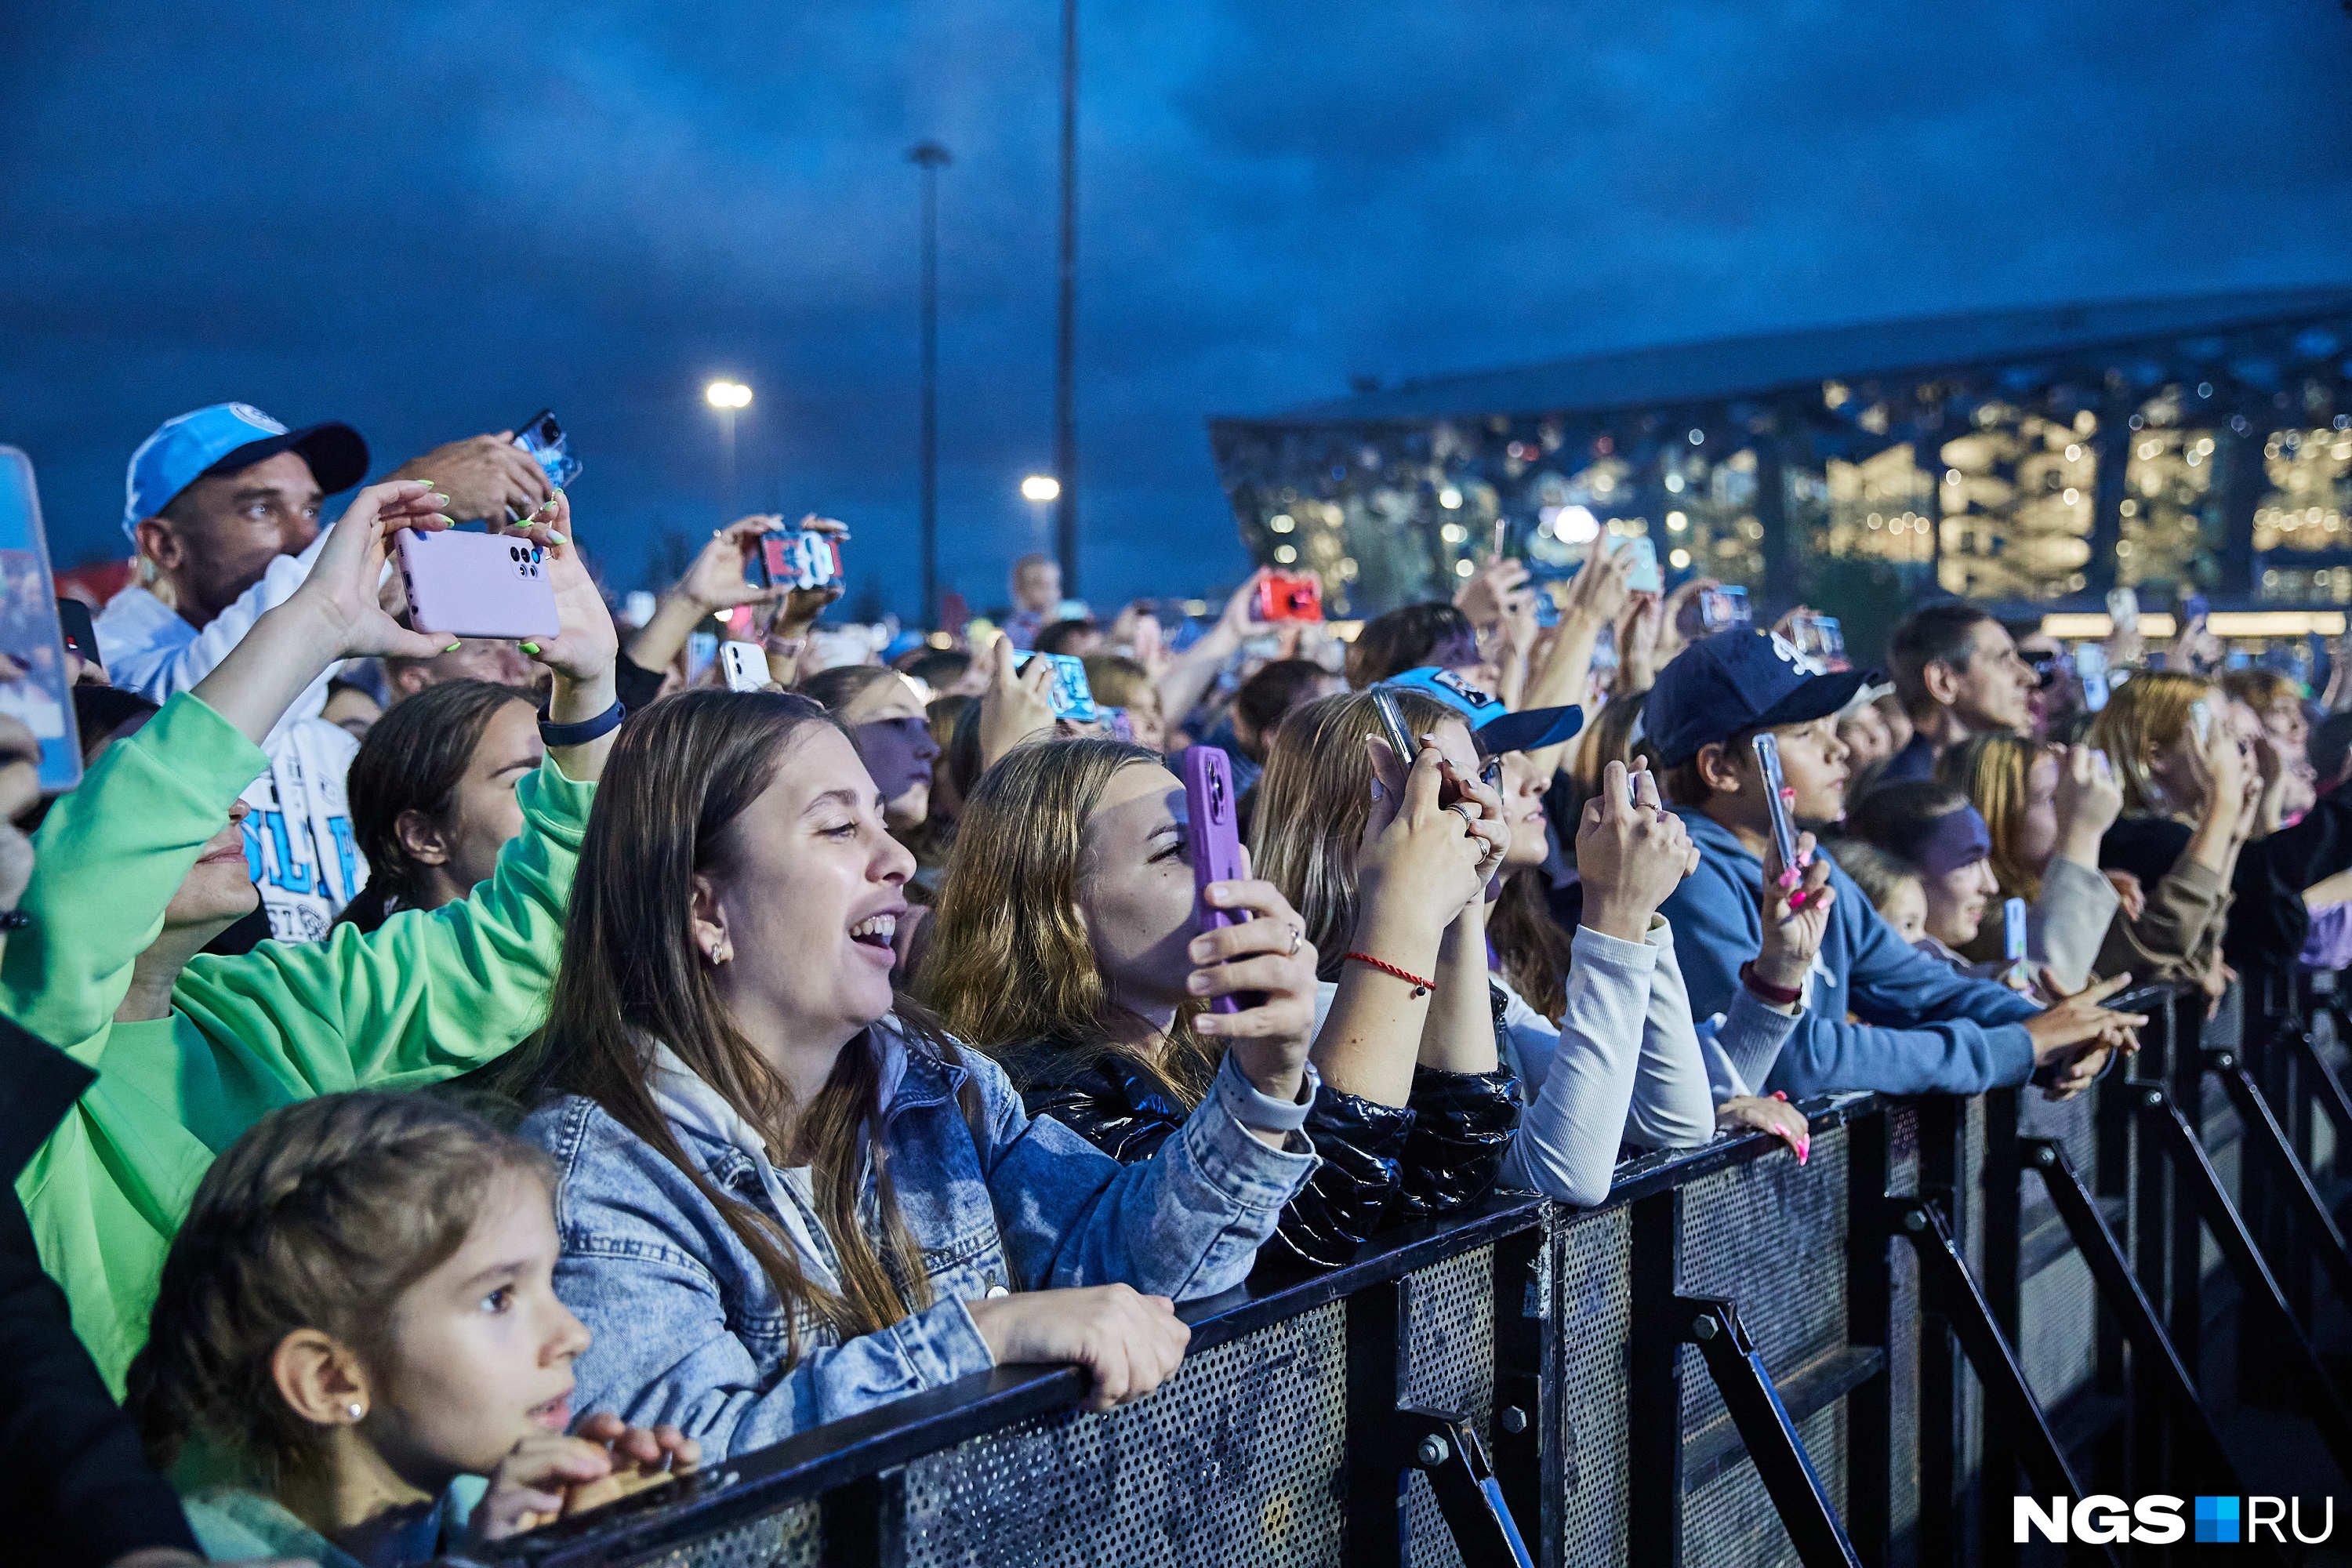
pixel 688 1330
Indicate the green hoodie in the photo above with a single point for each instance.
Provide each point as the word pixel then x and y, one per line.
pixel 425 997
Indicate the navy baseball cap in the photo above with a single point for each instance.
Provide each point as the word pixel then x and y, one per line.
pixel 224 439
pixel 1739 680
pixel 1495 727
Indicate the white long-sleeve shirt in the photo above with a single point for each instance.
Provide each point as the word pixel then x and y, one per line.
pixel 1622 1066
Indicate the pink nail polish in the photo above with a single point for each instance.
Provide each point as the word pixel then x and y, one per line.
pixel 1788 879
pixel 1796 900
pixel 1804 1147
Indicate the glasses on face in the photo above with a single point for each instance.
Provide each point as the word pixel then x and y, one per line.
pixel 2046 667
pixel 1490 772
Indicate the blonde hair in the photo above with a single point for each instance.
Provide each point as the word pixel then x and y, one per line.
pixel 1313 801
pixel 1995 769
pixel 1010 966
pixel 2147 714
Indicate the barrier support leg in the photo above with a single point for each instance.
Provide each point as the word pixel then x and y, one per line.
pixel 2292 1182
pixel 1447 1448
pixel 2124 1297
pixel 1712 1324
pixel 2325 1088
pixel 2203 1188
pixel 1950 1291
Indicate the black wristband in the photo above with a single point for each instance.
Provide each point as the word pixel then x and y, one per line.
pixel 16 919
pixel 587 730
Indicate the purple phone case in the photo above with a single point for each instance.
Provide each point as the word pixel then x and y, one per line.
pixel 1216 839
pixel 477 585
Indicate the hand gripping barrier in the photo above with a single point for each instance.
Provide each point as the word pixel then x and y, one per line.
pixel 1734 1361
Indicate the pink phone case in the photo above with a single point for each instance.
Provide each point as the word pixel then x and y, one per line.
pixel 477 585
pixel 1215 832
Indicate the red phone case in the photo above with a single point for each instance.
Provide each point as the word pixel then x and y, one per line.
pixel 1216 839
pixel 1290 596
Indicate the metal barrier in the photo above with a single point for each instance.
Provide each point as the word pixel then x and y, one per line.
pixel 1735 1360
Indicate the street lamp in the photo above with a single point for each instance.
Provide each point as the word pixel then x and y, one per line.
pixel 729 397
pixel 931 157
pixel 1040 490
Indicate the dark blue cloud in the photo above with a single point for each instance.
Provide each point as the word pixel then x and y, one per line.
pixel 434 218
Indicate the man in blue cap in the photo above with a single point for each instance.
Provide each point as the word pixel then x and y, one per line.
pixel 1925 1028
pixel 223 504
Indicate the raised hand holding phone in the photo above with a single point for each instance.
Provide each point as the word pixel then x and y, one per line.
pixel 1631 853
pixel 1796 916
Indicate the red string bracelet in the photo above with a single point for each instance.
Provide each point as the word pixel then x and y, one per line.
pixel 1420 987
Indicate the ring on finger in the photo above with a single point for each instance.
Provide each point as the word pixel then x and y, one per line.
pixel 1297 935
pixel 1469 813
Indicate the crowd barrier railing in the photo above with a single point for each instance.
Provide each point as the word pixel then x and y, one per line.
pixel 1735 1360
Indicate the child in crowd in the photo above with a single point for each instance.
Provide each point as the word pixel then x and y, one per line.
pixel 193 1049
pixel 433 794
pixel 1064 948
pixel 1892 885
pixel 785 1197
pixel 1933 830
pixel 884 712
pixel 360 1310
pixel 1921 1027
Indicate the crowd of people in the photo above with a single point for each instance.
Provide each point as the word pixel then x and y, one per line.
pixel 456 1083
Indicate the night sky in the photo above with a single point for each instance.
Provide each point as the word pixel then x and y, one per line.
pixel 431 219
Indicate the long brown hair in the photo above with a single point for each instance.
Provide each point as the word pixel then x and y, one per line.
pixel 631 976
pixel 1529 945
pixel 1313 801
pixel 1009 966
pixel 318 1217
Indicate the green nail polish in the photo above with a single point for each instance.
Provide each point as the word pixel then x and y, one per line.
pixel 453 647
pixel 557 537
pixel 440 499
pixel 447 520
pixel 531 647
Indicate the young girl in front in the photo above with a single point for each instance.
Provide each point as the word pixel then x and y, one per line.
pixel 360 1310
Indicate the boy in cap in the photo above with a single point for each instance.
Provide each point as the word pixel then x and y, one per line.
pixel 1925 1029
pixel 223 504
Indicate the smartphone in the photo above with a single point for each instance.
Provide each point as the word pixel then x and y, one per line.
pixel 1725 609
pixel 701 648
pixel 465 585
pixel 81 636
pixel 1784 827
pixel 33 681
pixel 544 439
pixel 1502 536
pixel 744 665
pixel 2200 719
pixel 1215 835
pixel 2091 668
pixel 2123 610
pixel 797 558
pixel 1290 596
pixel 2013 931
pixel 1392 727
pixel 1547 607
pixel 1069 693
pixel 1645 577
pixel 1817 636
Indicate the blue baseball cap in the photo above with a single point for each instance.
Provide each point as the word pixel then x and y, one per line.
pixel 1739 680
pixel 224 439
pixel 1495 727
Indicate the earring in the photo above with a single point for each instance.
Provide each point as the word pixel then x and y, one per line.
pixel 356 1408
pixel 721 951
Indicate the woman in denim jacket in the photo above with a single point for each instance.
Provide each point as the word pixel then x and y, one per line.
pixel 782 1202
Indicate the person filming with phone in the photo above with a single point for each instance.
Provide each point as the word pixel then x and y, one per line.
pixel 222 505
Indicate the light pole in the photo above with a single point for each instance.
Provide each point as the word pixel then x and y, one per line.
pixel 728 397
pixel 931 157
pixel 1065 431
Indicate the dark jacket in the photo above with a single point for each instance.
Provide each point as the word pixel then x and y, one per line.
pixel 73 1487
pixel 1380 1164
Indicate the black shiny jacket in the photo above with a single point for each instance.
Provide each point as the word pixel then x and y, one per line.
pixel 1380 1164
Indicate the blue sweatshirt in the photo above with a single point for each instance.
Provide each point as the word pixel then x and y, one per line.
pixel 1924 1030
